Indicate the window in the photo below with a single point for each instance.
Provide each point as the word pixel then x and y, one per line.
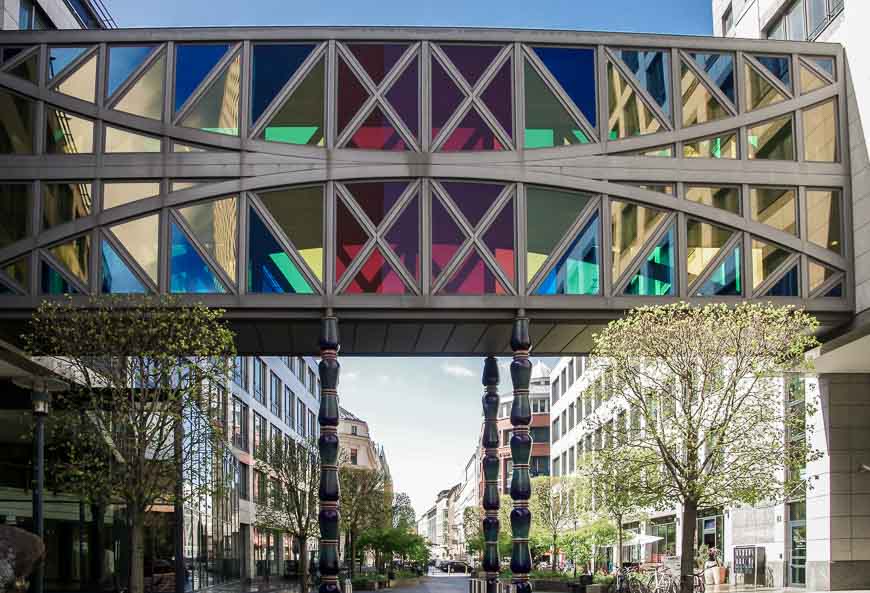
pixel 31 17
pixel 240 372
pixel 506 438
pixel 540 405
pixel 259 434
pixel 563 382
pixel 727 20
pixel 243 477
pixel 804 19
pixel 554 390
pixel 275 435
pixel 312 424
pixel 563 420
pixel 508 474
pixel 570 372
pixel 260 381
pixel 556 467
pixel 564 463
pixel 275 394
pixel 300 367
pixel 239 429
pixel 286 360
pixel 260 488
pixel 579 407
pixel 300 417
pixel 571 416
pixel 540 434
pixel 312 382
pixel 539 466
pixel 354 429
pixel 555 430
pixel 354 459
pixel 289 407
pixel 571 458
pixel 222 406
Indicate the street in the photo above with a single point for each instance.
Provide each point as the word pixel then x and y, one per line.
pixel 439 583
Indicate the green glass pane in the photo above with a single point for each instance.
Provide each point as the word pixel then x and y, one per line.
pixel 300 119
pixel 699 104
pixel 773 139
pixel 631 226
pixel 217 110
pixel 75 255
pixel 759 91
pixel 145 97
pixel 139 237
pixel 53 282
pixel 722 197
pixel 824 222
pixel 703 243
pixel 774 206
pixel 819 274
pixel 67 133
pixel 717 147
pixel 270 269
pixel 28 69
pixel 299 213
pixel 656 275
pixel 116 275
pixel 550 213
pixel 19 271
pixel 629 115
pixel 65 202
pixel 766 259
pixel 15 206
pixel 215 225
pixel 578 270
pixel 117 193
pixel 725 280
pixel 16 124
pixel 81 84
pixel 820 132
pixel 810 81
pixel 118 140
pixel 548 123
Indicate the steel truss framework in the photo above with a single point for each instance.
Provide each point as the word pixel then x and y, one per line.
pixel 490 270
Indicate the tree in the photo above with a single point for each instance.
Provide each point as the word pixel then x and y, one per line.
pixel 291 503
pixel 705 384
pixel 471 528
pixel 363 497
pixel 403 511
pixel 142 372
pixel 552 506
pixel 577 546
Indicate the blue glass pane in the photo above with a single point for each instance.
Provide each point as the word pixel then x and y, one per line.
pixel 574 68
pixel 270 269
pixel 61 57
pixel 123 60
pixel 656 275
pixel 577 271
pixel 786 286
pixel 192 65
pixel 117 276
pixel 188 271
pixel 778 66
pixel 836 291
pixel 6 290
pixel 827 65
pixel 652 71
pixel 720 69
pixel 273 67
pixel 725 279
pixel 53 282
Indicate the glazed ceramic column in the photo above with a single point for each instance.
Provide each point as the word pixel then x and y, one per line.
pixel 328 446
pixel 489 443
pixel 521 449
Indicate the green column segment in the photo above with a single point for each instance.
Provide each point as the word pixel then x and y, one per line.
pixel 521 450
pixel 489 442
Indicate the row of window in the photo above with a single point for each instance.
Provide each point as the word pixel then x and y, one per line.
pixel 261 389
pixel 539 406
pixel 570 373
pixel 302 420
pixel 804 19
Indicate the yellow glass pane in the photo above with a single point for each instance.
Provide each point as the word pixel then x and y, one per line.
pixel 67 133
pixel 19 271
pixel 631 226
pixel 718 147
pixel 819 274
pixel 704 241
pixel 824 224
pixel 215 226
pixel 74 255
pixel 145 97
pixel 699 104
pixel 140 238
pixel 118 140
pixel 722 197
pixel 766 259
pixel 217 110
pixel 820 132
pixel 774 206
pixel 772 140
pixel 82 83
pixel 65 202
pixel 759 91
pixel 117 193
pixel 177 147
pixel 629 115
pixel 180 185
pixel 810 81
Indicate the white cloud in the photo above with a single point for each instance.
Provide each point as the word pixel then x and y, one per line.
pixel 455 370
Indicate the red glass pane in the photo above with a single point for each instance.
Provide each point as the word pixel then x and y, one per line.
pixel 471 60
pixel 497 97
pixel 500 240
pixel 350 238
pixel 377 58
pixel 404 97
pixel 404 238
pixel 446 97
pixel 376 132
pixel 473 199
pixel 351 95
pixel 473 277
pixel 376 276
pixel 472 133
pixel 376 198
pixel 447 237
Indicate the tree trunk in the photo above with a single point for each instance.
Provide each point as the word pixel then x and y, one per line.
pixel 352 554
pixel 687 544
pixel 303 564
pixel 553 559
pixel 137 551
pixel 617 554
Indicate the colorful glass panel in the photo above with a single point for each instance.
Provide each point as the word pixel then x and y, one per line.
pixel 404 97
pixel 350 238
pixel 717 196
pixel 145 96
pixel 473 277
pixel 16 124
pixel 193 62
pixel 377 198
pixel 273 67
pixel 629 115
pixel 118 140
pixel 549 215
pixel 472 133
pixel 19 271
pixel 116 276
pixel 215 225
pixel 217 110
pixel 766 259
pixel 75 256
pixel 787 286
pixel 27 69
pixel 810 81
pixel 725 280
pixel 117 193
pixel 574 69
pixel 772 140
pixel 300 119
pixel 471 60
pixel 631 226
pixel 447 237
pixel 819 275
pixel 656 275
pixel 820 132
pixel 123 61
pixel 15 205
pixel 498 98
pixel 377 132
pixel 652 71
pixel 499 239
pixel 825 65
pixel 299 213
pixel 377 59
pixel 578 270
pixel 53 282
pixel 449 97
pixel 473 199
pixel 61 57
pixel 824 219
pixel 778 66
pixel 836 291
pixel 703 243
pixel 67 134
pixel 717 147
pixel 720 69
pixel 140 238
pixel 699 104
pixel 376 276
pixel 404 238
pixel 270 269
pixel 188 271
pixel 774 206
pixel 65 202
pixel 548 122
pixel 758 90
pixel 351 95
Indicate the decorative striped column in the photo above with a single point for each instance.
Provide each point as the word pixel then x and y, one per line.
pixel 521 449
pixel 328 446
pixel 489 441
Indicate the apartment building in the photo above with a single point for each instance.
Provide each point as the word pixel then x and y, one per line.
pixel 37 15
pixel 357 446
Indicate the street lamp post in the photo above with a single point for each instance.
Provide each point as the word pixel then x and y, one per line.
pixel 40 402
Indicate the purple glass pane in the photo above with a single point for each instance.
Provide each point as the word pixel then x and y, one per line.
pixel 473 276
pixel 351 95
pixel 447 237
pixel 377 132
pixel 473 199
pixel 446 97
pixel 500 239
pixel 404 238
pixel 376 276
pixel 498 98
pixel 376 198
pixel 350 238
pixel 471 60
pixel 405 99
pixel 472 133
pixel 377 59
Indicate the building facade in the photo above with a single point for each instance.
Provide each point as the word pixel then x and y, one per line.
pixel 39 15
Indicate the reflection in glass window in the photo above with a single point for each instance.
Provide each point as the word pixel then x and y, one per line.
pixel 548 122
pixel 759 91
pixel 214 224
pixel 549 215
pixel 820 132
pixel 824 224
pixel 300 118
pixel 766 259
pixel 722 197
pixel 629 115
pixel 117 193
pixel 145 96
pixel 578 270
pixel 75 256
pixel 699 104
pixel 139 237
pixel 189 272
pixel 116 275
pixel 632 225
pixel 773 140
pixel 718 147
pixel 299 213
pixel 65 202
pixel 703 243
pixel 809 80
pixel 118 140
pixel 123 61
pixel 67 133
pixel 726 279
pixel 774 206
pixel 53 282
pixel 15 204
pixel 656 274
pixel 81 84
pixel 217 110
pixel 652 70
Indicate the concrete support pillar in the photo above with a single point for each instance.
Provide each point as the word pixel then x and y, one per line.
pixel 328 447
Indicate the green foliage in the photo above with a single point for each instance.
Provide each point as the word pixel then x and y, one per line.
pixel 403 512
pixel 365 502
pixel 603 579
pixel 390 541
pixel 577 546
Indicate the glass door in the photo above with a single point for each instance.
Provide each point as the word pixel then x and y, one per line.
pixel 797 539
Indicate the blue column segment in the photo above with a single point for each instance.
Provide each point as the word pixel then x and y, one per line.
pixel 328 446
pixel 489 442
pixel 521 450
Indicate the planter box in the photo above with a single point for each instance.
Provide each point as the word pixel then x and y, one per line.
pixel 556 586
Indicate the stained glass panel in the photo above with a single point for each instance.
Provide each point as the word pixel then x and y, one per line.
pixel 722 197
pixel 836 291
pixel 19 271
pixel 215 225
pixel 820 132
pixel 188 271
pixel 299 213
pixel 377 58
pixel 53 282
pixel 270 269
pixel 27 69
pixel 377 198
pixel 75 256
pixel 217 110
pixel 766 259
pixel 82 83
pixel 499 238
pixel 825 65
pixel 193 62
pixel 652 71
pixel 300 119
pixel 498 98
pixel 449 97
pixel 404 97
pixel 810 81
pixel 758 90
pixel 824 222
pixel 548 123
pixel 473 199
pixel 123 61
pixel 577 271
pixel 116 277
pixel 350 96
pixel 140 238
pixel 549 215
pixel 118 140
pixel 656 275
pixel 574 69
pixel 350 238
pixel 717 147
pixel 774 206
pixel 145 97
pixel 15 207
pixel 819 274
pixel 631 226
pixel 65 202
pixel 704 241
pixel 67 133
pixel 629 115
pixel 273 67
pixel 376 276
pixel 471 60
pixel 404 238
pixel 473 277
pixel 117 193
pixel 699 104
pixel 377 132
pixel 446 237
pixel 61 57
pixel 720 69
pixel 472 133
pixel 787 286
pixel 778 66
pixel 725 280
pixel 772 140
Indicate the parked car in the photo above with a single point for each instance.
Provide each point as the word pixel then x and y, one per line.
pixel 455 567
